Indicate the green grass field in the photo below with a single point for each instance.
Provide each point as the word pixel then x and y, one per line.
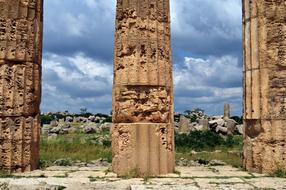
pixel 88 147
pixel 81 147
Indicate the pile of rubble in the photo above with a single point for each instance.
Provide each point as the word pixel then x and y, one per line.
pixel 219 124
pixel 194 120
pixel 88 125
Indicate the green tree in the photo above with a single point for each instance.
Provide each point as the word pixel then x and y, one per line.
pixel 46 119
pixel 198 110
pixel 83 111
pixel 187 112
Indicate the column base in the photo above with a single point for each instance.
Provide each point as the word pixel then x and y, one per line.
pixel 264 145
pixel 143 149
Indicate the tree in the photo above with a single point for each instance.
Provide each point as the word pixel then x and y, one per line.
pixel 83 111
pixel 187 112
pixel 46 119
pixel 198 110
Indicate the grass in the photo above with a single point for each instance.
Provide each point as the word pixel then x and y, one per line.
pixel 133 173
pixel 229 158
pixel 108 170
pixel 87 147
pixel 4 174
pixel 205 143
pixel 72 147
pixel 279 173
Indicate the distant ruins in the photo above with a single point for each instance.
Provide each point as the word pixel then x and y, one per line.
pixel 142 136
pixel 226 111
pixel 20 83
pixel 264 25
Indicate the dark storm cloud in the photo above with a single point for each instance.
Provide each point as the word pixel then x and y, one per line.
pixel 73 26
pixel 207 27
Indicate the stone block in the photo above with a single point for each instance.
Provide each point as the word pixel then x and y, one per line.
pixel 144 149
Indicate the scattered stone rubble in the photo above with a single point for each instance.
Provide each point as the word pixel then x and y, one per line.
pixel 189 163
pixel 90 125
pixel 95 124
pixel 218 124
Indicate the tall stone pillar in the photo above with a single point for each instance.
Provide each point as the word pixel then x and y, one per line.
pixel 264 85
pixel 226 111
pixel 20 83
pixel 142 136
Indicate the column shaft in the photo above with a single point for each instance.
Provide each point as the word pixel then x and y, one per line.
pixel 143 89
pixel 20 83
pixel 264 85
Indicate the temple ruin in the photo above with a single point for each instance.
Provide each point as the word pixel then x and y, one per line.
pixel 142 136
pixel 142 132
pixel 20 83
pixel 264 85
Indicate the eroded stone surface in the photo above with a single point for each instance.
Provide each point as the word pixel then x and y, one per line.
pixel 142 132
pixel 264 85
pixel 19 88
pixel 217 177
pixel 142 104
pixel 20 83
pixel 142 53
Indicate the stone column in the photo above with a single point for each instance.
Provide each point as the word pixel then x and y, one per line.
pixel 264 85
pixel 142 136
pixel 204 123
pixel 20 83
pixel 226 113
pixel 184 123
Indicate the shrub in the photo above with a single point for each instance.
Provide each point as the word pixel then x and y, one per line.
pixel 106 143
pixel 46 119
pixel 205 140
pixel 63 162
pixel 279 173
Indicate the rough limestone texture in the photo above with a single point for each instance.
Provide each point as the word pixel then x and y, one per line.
pixel 143 140
pixel 265 85
pixel 20 83
pixel 98 178
pixel 184 125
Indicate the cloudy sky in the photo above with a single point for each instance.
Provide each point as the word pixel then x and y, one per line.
pixel 78 55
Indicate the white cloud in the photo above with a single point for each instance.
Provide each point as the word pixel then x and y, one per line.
pixel 70 83
pixel 208 83
pixel 74 25
pixel 91 67
pixel 207 27
pixel 215 71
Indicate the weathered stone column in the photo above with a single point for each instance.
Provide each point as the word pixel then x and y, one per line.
pixel 264 85
pixel 226 113
pixel 20 83
pixel 184 125
pixel 142 136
